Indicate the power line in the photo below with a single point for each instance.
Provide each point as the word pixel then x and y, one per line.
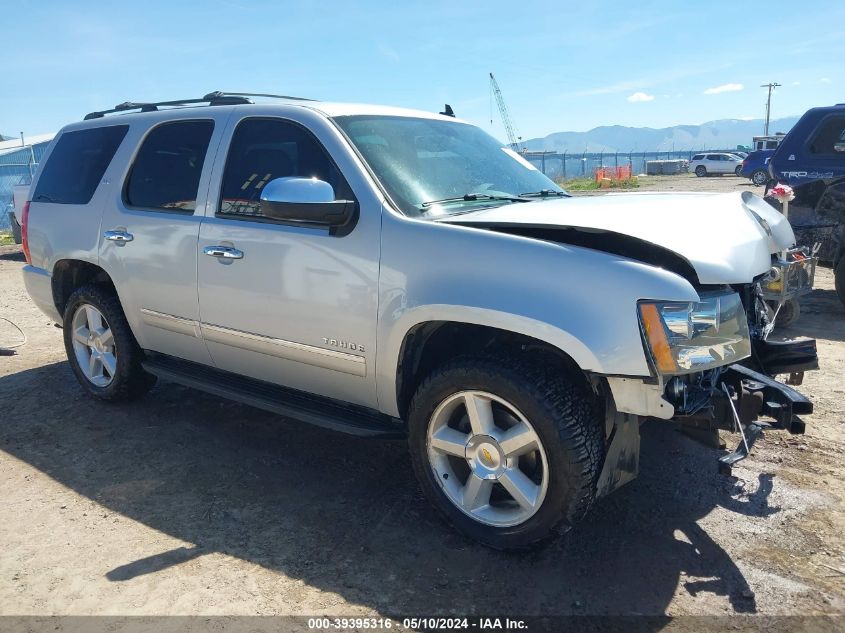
pixel 771 86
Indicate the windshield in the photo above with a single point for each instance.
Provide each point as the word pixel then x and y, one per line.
pixel 433 168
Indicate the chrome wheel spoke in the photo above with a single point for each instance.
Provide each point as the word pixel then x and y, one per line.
pixel 95 367
pixel 524 491
pixel 80 335
pixel 519 440
pixel 93 318
pixel 480 413
pixel 106 338
pixel 476 492
pixel 448 441
pixel 109 362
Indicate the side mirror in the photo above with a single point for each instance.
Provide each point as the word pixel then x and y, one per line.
pixel 305 201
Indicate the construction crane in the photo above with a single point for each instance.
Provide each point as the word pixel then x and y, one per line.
pixel 513 136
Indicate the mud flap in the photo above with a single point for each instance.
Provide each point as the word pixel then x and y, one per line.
pixel 622 461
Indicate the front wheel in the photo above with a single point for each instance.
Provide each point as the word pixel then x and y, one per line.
pixel 508 452
pixel 738 170
pixel 103 353
pixel 701 171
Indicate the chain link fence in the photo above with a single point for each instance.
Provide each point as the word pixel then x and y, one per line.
pixel 562 166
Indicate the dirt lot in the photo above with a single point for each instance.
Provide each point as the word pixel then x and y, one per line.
pixel 186 504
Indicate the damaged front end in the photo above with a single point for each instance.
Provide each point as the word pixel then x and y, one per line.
pixel 713 370
pixel 736 397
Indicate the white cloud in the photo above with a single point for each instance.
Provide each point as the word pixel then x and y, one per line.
pixel 388 52
pixel 638 97
pixel 796 83
pixel 724 88
pixel 826 80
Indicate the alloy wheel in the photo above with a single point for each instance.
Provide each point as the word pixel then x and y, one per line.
pixel 488 459
pixel 93 345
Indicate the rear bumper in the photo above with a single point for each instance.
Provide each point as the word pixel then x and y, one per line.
pixel 39 285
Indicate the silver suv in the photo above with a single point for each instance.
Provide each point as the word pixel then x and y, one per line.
pixel 395 273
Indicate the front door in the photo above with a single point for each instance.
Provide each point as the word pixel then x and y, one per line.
pixel 292 305
pixel 150 229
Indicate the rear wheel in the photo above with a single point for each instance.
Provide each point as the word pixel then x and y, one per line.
pixel 759 177
pixel 509 453
pixel 701 171
pixel 738 170
pixel 103 353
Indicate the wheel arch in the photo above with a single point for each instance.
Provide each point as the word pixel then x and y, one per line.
pixel 71 274
pixel 426 344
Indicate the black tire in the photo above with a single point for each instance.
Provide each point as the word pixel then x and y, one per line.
pixel 701 171
pixel 839 279
pixel 130 381
pixel 759 177
pixel 738 170
pixel 565 415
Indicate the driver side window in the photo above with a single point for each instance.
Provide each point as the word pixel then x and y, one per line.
pixel 264 149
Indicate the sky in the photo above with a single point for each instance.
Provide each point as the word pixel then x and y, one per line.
pixel 561 65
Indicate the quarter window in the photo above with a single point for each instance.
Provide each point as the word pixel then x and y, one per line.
pixel 77 164
pixel 166 173
pixel 265 149
pixel 830 139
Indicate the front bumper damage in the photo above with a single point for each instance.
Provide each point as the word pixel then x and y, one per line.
pixel 738 400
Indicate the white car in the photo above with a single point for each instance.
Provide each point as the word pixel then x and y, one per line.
pixel 718 163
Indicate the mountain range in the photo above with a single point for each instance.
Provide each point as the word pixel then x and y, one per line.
pixel 721 134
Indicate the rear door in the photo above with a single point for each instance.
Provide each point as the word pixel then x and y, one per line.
pixel 150 228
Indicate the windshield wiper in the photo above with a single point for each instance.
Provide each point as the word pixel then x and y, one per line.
pixel 544 193
pixel 471 197
pixel 45 198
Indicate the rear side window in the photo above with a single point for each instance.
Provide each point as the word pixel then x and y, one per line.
pixel 712 157
pixel 830 139
pixel 77 164
pixel 166 173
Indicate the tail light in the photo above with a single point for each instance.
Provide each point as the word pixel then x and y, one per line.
pixel 744 163
pixel 24 222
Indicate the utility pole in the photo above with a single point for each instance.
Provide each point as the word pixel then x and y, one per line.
pixel 771 86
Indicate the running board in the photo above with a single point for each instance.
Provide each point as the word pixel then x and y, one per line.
pixel 290 403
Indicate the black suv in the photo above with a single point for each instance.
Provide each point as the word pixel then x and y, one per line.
pixel 811 160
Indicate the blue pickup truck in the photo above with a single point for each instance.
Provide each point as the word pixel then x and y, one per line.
pixel 811 160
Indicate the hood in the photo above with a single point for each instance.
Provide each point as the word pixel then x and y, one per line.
pixel 715 238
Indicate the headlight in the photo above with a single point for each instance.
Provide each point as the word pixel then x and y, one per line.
pixel 689 337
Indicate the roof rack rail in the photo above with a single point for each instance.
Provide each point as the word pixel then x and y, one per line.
pixel 212 98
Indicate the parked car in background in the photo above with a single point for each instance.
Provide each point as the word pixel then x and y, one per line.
pixel 756 166
pixel 706 164
pixel 811 160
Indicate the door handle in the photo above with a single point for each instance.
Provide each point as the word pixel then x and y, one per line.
pixel 223 252
pixel 120 236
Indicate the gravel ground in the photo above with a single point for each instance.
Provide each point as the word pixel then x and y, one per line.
pixel 183 503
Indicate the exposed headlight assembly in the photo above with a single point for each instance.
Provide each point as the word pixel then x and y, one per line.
pixel 688 337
